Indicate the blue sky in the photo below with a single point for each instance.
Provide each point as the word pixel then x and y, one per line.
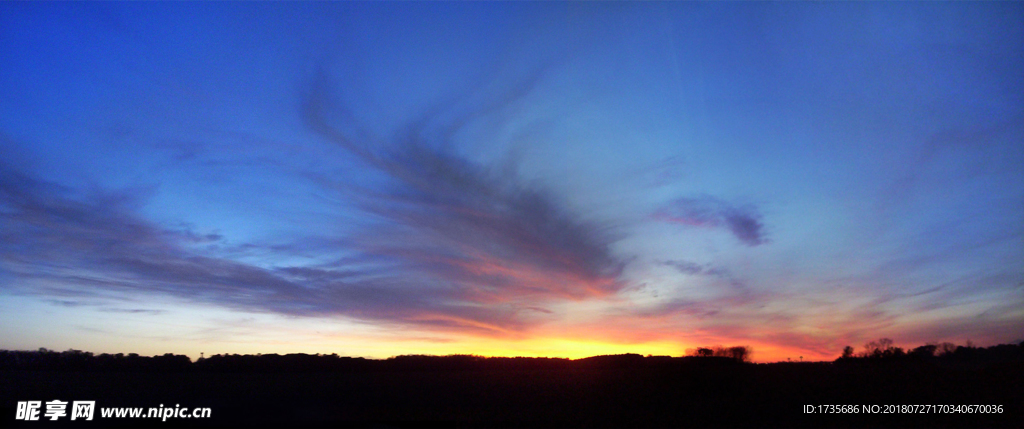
pixel 561 179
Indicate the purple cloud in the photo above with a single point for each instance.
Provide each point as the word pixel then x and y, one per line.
pixel 450 244
pixel 477 228
pixel 744 222
pixel 65 247
pixel 693 268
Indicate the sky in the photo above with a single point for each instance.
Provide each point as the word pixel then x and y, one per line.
pixel 510 179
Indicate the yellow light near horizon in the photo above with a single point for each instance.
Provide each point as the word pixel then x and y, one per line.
pixel 217 331
pixel 532 347
pixel 575 349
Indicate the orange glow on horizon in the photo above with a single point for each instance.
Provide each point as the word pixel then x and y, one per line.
pixel 554 347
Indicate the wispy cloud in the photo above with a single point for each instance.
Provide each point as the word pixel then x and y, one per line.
pixel 95 246
pixel 744 222
pixel 452 243
pixel 475 228
pixel 693 268
pixel 132 311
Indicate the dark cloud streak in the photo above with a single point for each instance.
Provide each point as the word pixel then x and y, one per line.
pixel 744 222
pixel 453 244
pixel 57 245
pixel 693 268
pixel 479 229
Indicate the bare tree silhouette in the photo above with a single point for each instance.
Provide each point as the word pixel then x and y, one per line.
pixel 847 352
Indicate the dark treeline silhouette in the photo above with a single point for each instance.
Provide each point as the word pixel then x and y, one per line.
pixel 884 350
pixel 76 360
pixel 712 387
pixel 738 353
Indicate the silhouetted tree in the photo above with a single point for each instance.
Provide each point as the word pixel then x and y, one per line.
pixel 946 348
pixel 847 352
pixel 735 353
pixel 925 351
pixel 740 353
pixel 881 348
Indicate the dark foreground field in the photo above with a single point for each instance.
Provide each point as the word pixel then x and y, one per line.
pixel 614 392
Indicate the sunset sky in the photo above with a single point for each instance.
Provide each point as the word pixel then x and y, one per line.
pixel 517 179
